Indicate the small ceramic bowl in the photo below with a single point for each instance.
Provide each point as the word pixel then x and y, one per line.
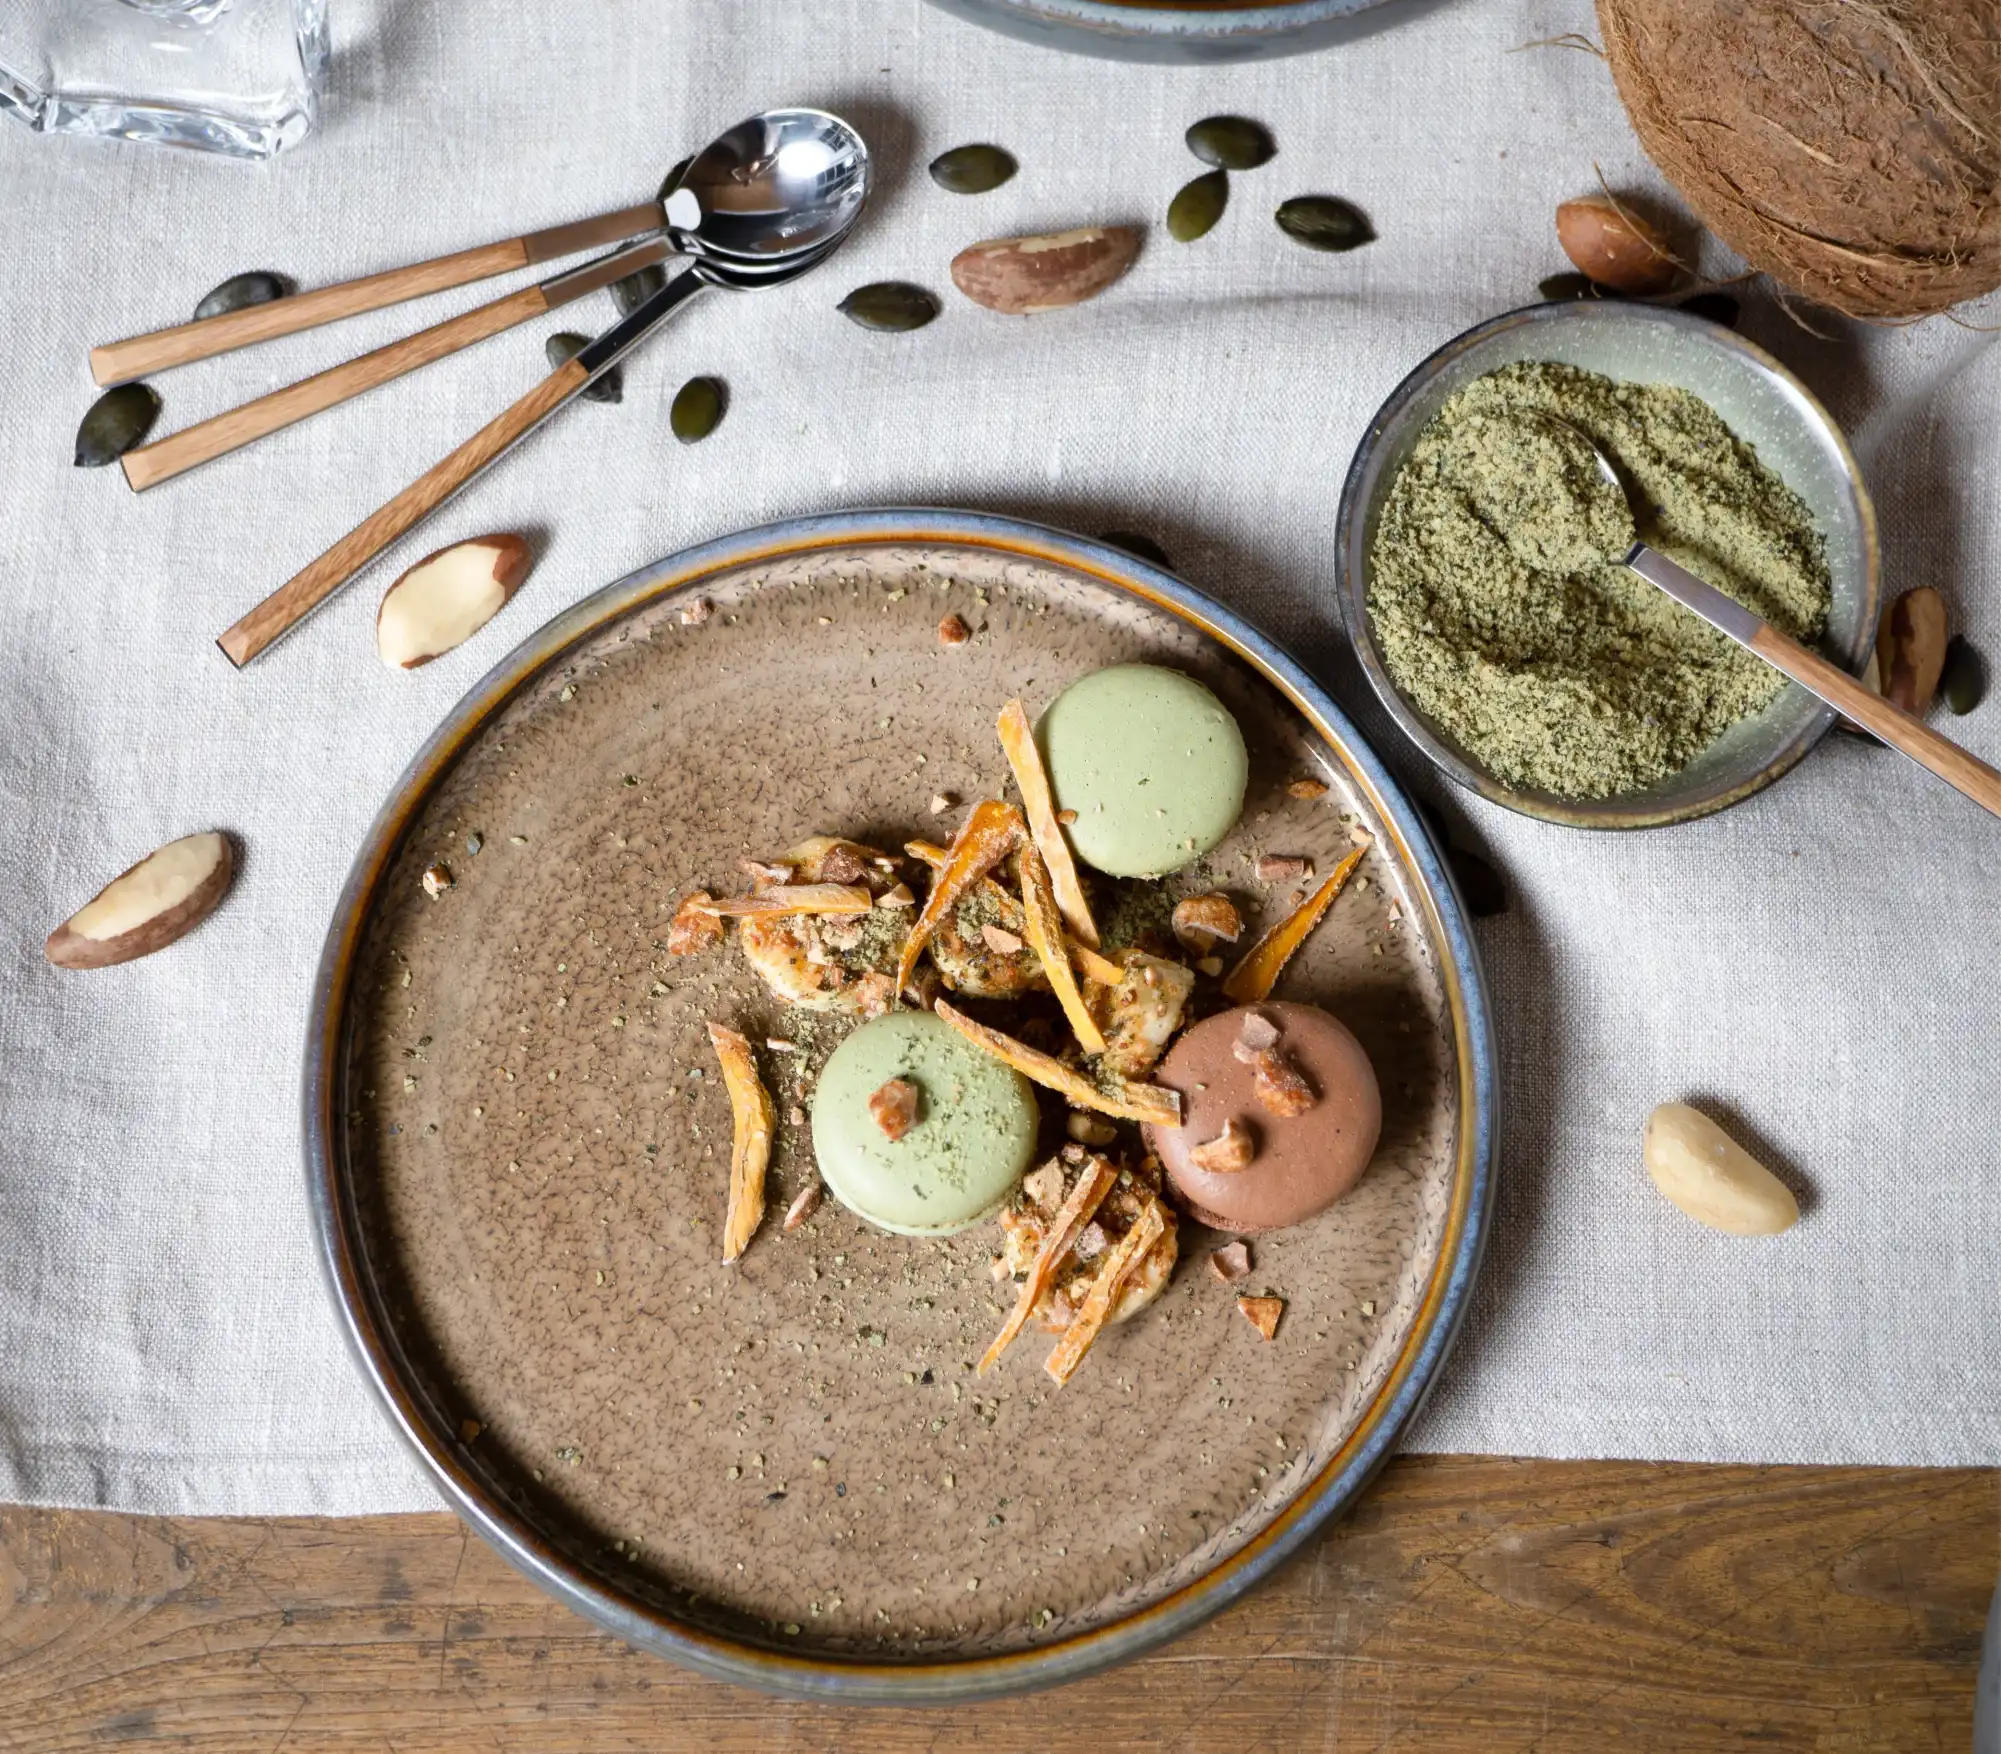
pixel 1762 402
pixel 1171 30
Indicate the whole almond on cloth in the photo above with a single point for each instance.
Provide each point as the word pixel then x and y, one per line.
pixel 447 597
pixel 160 899
pixel 1614 246
pixel 1047 271
pixel 1713 1178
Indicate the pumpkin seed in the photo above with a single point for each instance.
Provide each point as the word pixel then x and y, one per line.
pixel 698 409
pixel 1324 222
pixel 1718 307
pixel 972 170
pixel 636 288
pixel 1198 206
pixel 1231 143
pixel 1143 546
pixel 117 421
pixel 1963 681
pixel 889 305
pixel 561 348
pixel 1559 287
pixel 239 292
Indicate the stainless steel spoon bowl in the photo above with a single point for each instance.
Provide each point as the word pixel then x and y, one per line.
pixel 773 187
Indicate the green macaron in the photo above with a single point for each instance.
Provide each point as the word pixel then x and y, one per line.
pixel 1152 763
pixel 973 1138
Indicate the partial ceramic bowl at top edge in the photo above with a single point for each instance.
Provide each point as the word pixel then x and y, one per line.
pixel 1178 30
pixel 1762 402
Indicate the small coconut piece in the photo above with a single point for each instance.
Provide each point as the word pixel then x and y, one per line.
pixel 990 832
pixel 1262 1313
pixel 692 929
pixel 804 1204
pixel 1017 737
pixel 1076 1211
pixel 1045 931
pixel 1090 1319
pixel 447 597
pixel 1201 922
pixel 753 1121
pixel 791 898
pixel 1125 1099
pixel 146 908
pixel 1231 1150
pixel 893 1108
pixel 1231 1262
pixel 1252 980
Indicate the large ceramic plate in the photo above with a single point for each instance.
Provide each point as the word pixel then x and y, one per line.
pixel 1171 30
pixel 786 1472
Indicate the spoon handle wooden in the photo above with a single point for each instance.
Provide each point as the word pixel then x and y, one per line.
pixel 234 428
pixel 118 361
pixel 1956 766
pixel 1814 673
pixel 300 595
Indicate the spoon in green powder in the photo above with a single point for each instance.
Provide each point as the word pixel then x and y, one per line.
pixel 1584 517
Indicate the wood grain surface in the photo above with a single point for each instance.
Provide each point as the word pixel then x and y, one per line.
pixel 1468 1604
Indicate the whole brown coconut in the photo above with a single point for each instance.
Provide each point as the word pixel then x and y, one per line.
pixel 1849 148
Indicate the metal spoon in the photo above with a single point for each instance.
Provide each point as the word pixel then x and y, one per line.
pixel 828 214
pixel 772 186
pixel 1901 730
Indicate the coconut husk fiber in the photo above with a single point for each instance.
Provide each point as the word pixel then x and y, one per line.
pixel 1849 148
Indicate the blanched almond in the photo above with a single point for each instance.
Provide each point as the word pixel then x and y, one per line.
pixel 162 898
pixel 1047 271
pixel 447 597
pixel 1713 1178
pixel 1230 1151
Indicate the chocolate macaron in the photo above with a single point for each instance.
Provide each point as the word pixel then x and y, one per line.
pixel 1281 1114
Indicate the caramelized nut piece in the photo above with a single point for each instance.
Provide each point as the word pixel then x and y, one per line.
pixel 1257 1033
pixel 436 880
pixel 1307 789
pixel 695 613
pixel 1088 1129
pixel 1231 1262
pixel 943 801
pixel 894 1108
pixel 842 863
pixel 1201 922
pixel 900 896
pixel 764 876
pixel 693 930
pixel 1000 939
pixel 953 631
pixel 804 1205
pixel 1231 1150
pixel 1279 1086
pixel 1262 1313
pixel 1273 868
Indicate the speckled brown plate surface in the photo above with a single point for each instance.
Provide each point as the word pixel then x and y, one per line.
pixel 786 1471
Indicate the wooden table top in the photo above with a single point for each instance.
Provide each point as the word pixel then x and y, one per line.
pixel 1468 1604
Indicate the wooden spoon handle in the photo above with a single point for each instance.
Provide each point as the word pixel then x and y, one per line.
pixel 1954 765
pixel 300 595
pixel 179 452
pixel 118 361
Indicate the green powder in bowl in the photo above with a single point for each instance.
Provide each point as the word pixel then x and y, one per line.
pixel 1500 610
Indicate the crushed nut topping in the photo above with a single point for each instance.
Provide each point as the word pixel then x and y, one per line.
pixel 1231 1150
pixel 1278 1085
pixel 1276 868
pixel 953 631
pixel 691 930
pixel 436 880
pixel 1091 1242
pixel 943 801
pixel 1045 1185
pixel 842 863
pixel 1089 1129
pixel 1201 922
pixel 900 896
pixel 695 613
pixel 766 875
pixel 894 1107
pixel 805 1203
pixel 1231 1262
pixel 1307 789
pixel 1254 1035
pixel 1000 939
pixel 1262 1313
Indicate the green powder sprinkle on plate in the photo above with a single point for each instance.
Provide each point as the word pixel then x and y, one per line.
pixel 1497 603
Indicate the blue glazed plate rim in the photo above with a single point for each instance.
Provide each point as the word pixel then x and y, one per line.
pixel 349 1280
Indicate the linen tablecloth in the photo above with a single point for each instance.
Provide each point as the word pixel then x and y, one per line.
pixel 1822 962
